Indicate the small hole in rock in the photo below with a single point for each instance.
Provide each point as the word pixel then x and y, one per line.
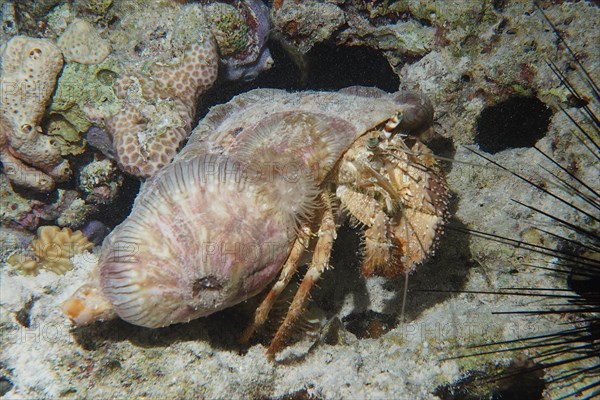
pixel 5 385
pixel 499 4
pixel 336 67
pixel 23 315
pixel 369 324
pixel 35 53
pixel 106 77
pixel 519 380
pixel 516 122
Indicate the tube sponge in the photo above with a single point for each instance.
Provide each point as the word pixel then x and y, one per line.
pixel 27 78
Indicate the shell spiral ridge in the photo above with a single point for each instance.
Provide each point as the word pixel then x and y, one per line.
pixel 198 240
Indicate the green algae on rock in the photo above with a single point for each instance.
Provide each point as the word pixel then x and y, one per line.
pixel 83 94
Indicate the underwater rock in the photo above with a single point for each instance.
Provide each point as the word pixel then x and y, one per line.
pixel 32 15
pixel 98 8
pixel 83 95
pixel 8 21
pixel 64 208
pixel 301 26
pixel 76 213
pixel 12 240
pixel 241 33
pixel 17 211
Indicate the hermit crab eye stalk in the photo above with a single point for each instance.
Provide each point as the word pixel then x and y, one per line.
pixel 372 143
pixel 391 125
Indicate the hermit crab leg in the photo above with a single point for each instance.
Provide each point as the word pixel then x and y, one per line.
pixel 369 212
pixel 287 272
pixel 319 263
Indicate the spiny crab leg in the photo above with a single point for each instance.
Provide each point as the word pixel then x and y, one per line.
pixel 378 247
pixel 287 272
pixel 319 263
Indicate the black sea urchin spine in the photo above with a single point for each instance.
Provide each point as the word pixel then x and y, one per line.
pixel 569 357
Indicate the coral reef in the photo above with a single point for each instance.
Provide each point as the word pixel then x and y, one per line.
pixel 241 32
pixel 76 211
pixel 17 211
pixel 66 207
pixel 158 111
pixel 52 250
pixel 31 158
pixel 159 102
pixel 85 99
pixel 467 57
pixel 147 120
pixel 229 28
pixel 82 43
pixel 82 92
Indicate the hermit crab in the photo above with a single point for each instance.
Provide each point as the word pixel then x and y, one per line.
pixel 260 186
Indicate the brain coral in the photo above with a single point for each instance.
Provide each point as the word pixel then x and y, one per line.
pixel 28 76
pixel 159 107
pixel 52 249
pixel 158 91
